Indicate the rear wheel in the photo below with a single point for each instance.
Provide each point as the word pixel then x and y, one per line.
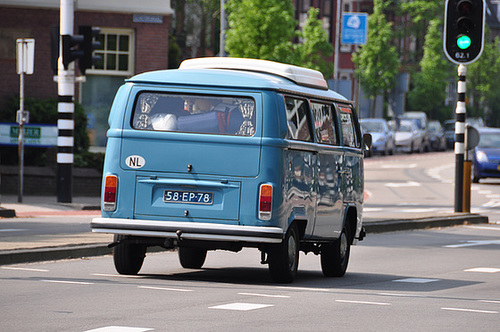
pixel 335 256
pixel 127 256
pixel 284 258
pixel 192 258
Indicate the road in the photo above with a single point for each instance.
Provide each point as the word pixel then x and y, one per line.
pixel 408 185
pixel 437 279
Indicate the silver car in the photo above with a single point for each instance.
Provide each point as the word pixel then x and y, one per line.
pixel 408 137
pixel 383 137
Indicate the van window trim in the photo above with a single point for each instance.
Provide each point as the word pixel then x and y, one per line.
pixel 237 94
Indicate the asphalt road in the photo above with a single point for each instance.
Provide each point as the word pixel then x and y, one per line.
pixel 437 279
pixel 409 185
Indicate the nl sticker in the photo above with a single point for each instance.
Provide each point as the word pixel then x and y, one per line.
pixel 135 161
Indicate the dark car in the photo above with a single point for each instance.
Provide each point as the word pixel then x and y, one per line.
pixel 449 133
pixel 486 156
pixel 436 133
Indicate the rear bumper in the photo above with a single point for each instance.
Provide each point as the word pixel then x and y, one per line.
pixel 188 230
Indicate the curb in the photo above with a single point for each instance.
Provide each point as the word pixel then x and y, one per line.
pixel 90 250
pixel 7 213
pixel 382 226
pixel 53 253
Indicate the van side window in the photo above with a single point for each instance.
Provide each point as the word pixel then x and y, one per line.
pixel 348 130
pixel 202 114
pixel 298 124
pixel 323 123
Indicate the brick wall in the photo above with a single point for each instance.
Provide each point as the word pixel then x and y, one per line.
pixel 151 45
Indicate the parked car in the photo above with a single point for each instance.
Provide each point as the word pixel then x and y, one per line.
pixel 437 139
pixel 486 156
pixel 229 153
pixel 422 125
pixel 408 137
pixel 449 133
pixel 383 138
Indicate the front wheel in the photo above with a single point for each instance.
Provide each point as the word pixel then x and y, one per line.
pixel 335 256
pixel 284 257
pixel 127 256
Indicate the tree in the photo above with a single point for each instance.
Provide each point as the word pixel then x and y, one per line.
pixel 430 83
pixel 316 48
pixel 261 29
pixel 377 61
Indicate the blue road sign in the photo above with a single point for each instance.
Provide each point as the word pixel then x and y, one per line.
pixel 354 28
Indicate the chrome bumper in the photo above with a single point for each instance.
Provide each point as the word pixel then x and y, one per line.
pixel 188 230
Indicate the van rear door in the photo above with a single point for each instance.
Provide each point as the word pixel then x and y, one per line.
pixel 189 152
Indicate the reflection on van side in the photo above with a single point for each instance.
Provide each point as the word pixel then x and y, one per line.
pixel 227 153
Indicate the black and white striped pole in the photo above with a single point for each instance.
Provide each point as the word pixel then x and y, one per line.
pixel 460 138
pixel 65 108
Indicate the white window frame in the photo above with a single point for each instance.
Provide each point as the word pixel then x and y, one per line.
pixel 130 53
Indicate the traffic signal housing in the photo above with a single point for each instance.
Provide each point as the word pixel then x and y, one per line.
pixel 88 46
pixel 464 30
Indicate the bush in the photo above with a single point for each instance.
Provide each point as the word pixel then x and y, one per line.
pixel 42 111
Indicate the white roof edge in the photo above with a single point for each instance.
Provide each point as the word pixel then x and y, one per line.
pixel 158 7
pixel 301 76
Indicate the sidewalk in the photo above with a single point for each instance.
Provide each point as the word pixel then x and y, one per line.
pixel 41 247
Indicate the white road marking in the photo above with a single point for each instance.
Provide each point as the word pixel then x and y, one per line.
pixel 416 280
pixel 418 210
pixel 400 295
pixel 473 243
pixel 372 209
pixel 120 329
pixel 306 289
pixel 471 310
pixel 12 230
pixel 492 203
pixel 116 275
pixel 23 269
pixel 241 306
pixel 402 184
pixel 489 301
pixel 390 166
pixel 484 192
pixel 363 302
pixel 266 295
pixel 167 289
pixel 69 282
pixel 483 270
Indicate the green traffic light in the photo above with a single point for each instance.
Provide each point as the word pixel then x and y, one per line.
pixel 463 42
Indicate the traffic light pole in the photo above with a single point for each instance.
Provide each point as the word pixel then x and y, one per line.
pixel 460 139
pixel 65 109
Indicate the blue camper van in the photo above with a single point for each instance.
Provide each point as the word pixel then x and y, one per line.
pixel 227 153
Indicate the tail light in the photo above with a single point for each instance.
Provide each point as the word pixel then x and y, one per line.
pixel 265 201
pixel 110 185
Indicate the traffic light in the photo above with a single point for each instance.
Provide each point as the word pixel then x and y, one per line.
pixel 71 48
pixel 88 47
pixel 464 30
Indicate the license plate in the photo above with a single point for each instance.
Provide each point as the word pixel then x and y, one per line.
pixel 190 197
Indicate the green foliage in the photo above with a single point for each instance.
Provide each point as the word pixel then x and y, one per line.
pixel 430 83
pixel 316 48
pixel 261 29
pixel 377 62
pixel 42 111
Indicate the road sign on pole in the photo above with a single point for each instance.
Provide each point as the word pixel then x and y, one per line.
pixel 25 48
pixel 354 28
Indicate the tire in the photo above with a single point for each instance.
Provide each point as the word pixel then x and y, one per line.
pixel 335 256
pixel 192 258
pixel 284 257
pixel 128 257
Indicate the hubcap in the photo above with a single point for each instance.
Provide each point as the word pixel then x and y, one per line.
pixel 292 251
pixel 343 245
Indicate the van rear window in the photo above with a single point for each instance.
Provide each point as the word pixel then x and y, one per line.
pixel 203 114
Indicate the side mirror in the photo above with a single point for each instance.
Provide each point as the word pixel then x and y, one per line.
pixel 367 141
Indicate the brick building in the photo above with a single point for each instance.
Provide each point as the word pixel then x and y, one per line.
pixel 134 38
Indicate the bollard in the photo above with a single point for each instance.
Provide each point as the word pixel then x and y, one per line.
pixel 467 186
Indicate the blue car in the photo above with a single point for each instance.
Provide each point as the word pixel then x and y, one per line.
pixel 228 153
pixel 486 156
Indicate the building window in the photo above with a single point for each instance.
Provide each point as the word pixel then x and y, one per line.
pixel 116 52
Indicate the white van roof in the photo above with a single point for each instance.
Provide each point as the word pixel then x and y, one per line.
pixel 301 76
